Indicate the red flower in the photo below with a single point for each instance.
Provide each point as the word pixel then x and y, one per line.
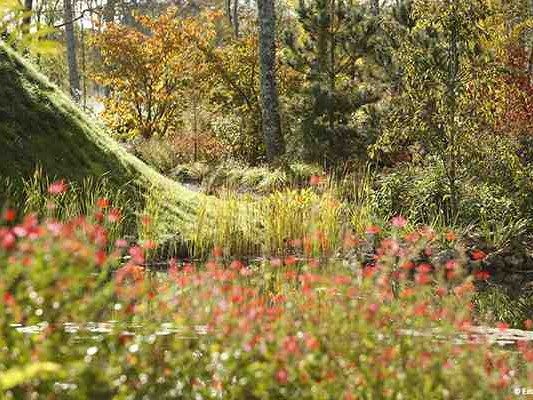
pixel 372 230
pixel 282 377
pixel 450 236
pixel 236 265
pixel 57 187
pixel 528 324
pixel 399 221
pixel 100 258
pixel 373 308
pixel 290 260
pixel 482 275
pixel 315 180
pixel 311 343
pixel 121 243
pixel 424 268
pixel 8 241
pixel 290 345
pixel 451 265
pixel 478 255
pixel 502 326
pixel 102 203
pixel 9 299
pixel 10 215
pixel 137 255
pixel 423 279
pixel 217 252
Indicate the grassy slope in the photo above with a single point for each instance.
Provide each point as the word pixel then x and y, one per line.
pixel 39 125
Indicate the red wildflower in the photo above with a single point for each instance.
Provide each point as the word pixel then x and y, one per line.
pixel 137 254
pixel 102 203
pixel 424 268
pixel 373 308
pixel 408 265
pixel 10 215
pixel 236 265
pixel 9 299
pixel 99 216
pixel 217 252
pixel 502 326
pixel 373 230
pixel 423 279
pixel 528 324
pixel 315 180
pixel 282 377
pixel 482 275
pixel 450 236
pixel 100 258
pixel 451 265
pixel 311 343
pixel 399 221
pixel 412 237
pixel 290 260
pixel 57 187
pixel 8 241
pixel 290 345
pixel 478 255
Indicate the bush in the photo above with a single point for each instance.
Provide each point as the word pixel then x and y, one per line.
pixel 421 192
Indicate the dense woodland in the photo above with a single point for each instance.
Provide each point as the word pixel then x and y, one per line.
pixel 270 199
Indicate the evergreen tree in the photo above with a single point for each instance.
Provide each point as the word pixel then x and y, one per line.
pixel 336 53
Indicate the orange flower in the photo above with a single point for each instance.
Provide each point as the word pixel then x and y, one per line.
pixel 450 236
pixel 102 203
pixel 373 229
pixel 478 255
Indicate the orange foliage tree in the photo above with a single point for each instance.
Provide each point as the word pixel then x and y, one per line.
pixel 149 70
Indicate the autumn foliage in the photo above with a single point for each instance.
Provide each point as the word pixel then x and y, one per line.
pixel 148 71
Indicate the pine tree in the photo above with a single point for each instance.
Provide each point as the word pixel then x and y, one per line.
pixel 336 55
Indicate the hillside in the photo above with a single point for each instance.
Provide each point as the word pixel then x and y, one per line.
pixel 41 126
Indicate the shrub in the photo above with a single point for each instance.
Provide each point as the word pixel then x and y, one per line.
pixel 421 193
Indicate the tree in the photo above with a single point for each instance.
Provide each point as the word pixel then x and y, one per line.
pixel 73 74
pixel 337 56
pixel 448 99
pixel 148 71
pixel 272 134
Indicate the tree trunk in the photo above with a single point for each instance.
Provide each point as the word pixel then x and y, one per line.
pixel 375 7
pixel 530 58
pixel 236 18
pixel 272 135
pixel 73 75
pixel 26 21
